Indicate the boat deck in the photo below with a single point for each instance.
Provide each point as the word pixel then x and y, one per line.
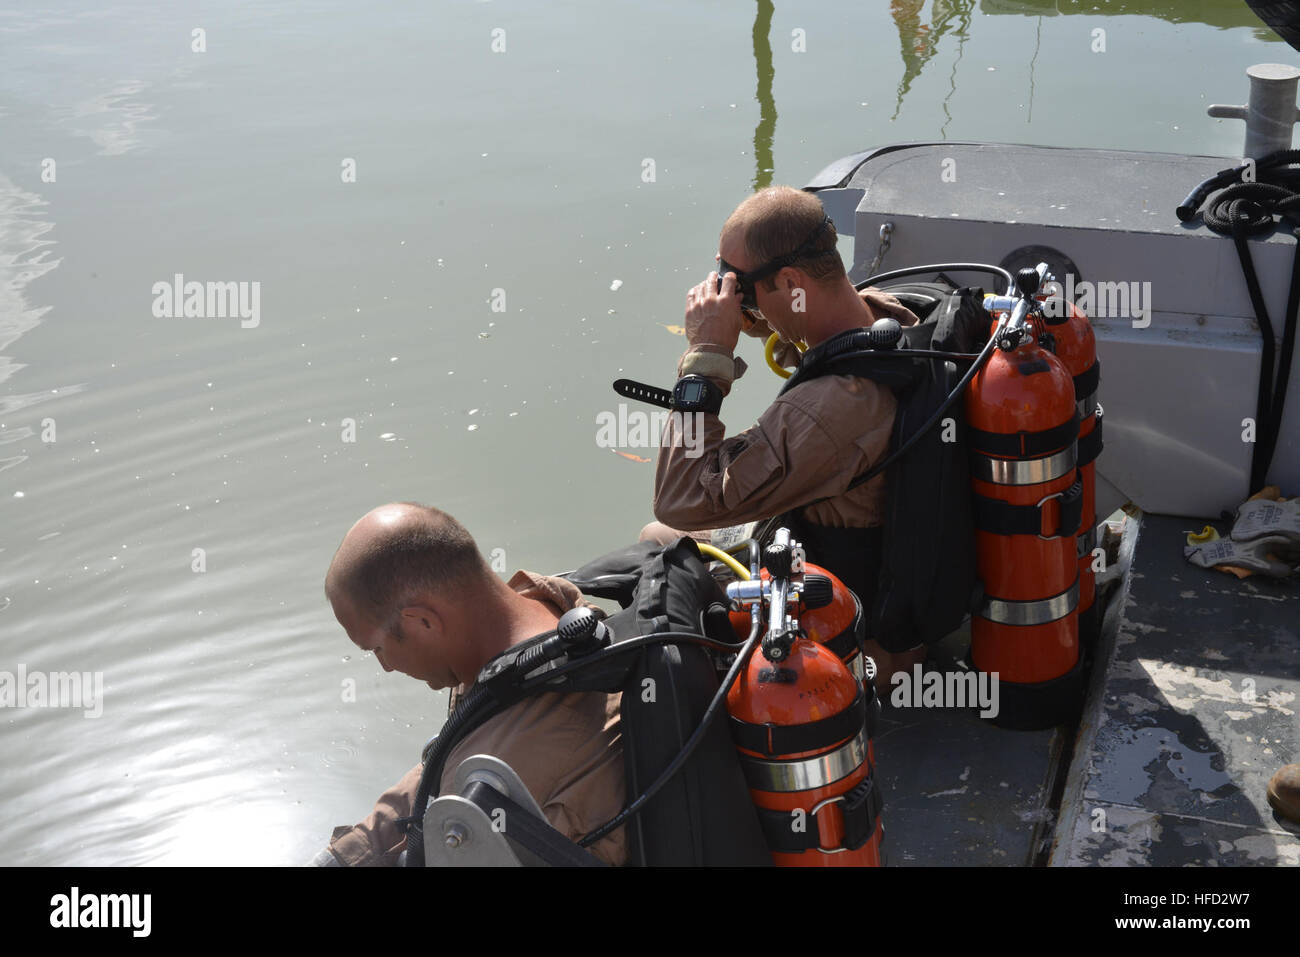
pixel 1192 713
pixel 959 791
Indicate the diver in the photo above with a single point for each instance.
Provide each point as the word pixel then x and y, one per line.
pixel 409 584
pixel 779 270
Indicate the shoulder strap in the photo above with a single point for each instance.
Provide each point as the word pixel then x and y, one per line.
pixel 848 354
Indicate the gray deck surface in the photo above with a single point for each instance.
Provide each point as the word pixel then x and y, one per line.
pixel 959 791
pixel 1194 711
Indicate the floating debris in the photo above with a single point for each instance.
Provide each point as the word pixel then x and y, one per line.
pixel 629 456
pixel 616 285
pixel 675 330
pixel 389 437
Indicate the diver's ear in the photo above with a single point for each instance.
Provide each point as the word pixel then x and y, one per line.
pixel 419 622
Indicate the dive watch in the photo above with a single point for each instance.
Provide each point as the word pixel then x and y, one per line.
pixel 697 393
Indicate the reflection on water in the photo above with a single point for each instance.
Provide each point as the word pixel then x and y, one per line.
pixel 918 42
pixel 115 118
pixel 765 131
pixel 25 256
pixel 1215 13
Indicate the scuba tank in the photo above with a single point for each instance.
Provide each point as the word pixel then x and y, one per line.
pixel 1072 340
pixel 803 724
pixel 1076 346
pixel 1028 500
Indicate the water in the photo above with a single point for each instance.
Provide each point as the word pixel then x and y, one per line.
pixel 225 735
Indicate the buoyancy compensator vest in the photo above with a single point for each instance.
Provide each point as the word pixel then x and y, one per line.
pixel 702 815
pixel 916 573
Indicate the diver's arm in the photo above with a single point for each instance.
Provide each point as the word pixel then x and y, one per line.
pixel 378 840
pixel 809 444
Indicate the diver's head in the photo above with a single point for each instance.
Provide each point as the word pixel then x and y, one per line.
pixel 782 247
pixel 403 584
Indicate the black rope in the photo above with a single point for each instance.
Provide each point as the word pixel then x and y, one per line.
pixel 1242 210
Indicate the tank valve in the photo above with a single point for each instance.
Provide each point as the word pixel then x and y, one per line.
pixel 818 592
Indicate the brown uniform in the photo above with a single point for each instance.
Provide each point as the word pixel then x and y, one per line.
pixel 566 748
pixel 809 444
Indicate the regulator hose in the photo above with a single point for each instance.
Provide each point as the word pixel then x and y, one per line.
pixel 937 268
pixel 476 702
pixel 769 354
pixel 718 555
pixel 742 659
pixel 980 360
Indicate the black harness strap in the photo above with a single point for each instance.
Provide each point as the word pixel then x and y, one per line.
pixel 1001 518
pixel 773 739
pixel 1090 445
pixel 1025 445
pixel 1086 382
pixel 891 373
pixel 852 637
pixel 860 810
pixel 527 832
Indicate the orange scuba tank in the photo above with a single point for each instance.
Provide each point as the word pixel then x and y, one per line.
pixel 802 724
pixel 1028 500
pixel 1076 346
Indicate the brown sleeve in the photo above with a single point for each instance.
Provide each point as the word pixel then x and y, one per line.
pixel 809 444
pixel 377 840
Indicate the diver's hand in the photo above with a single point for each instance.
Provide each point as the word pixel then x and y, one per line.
pixel 714 317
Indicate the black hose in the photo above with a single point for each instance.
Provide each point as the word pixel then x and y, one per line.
pixel 742 659
pixel 936 268
pixel 908 354
pixel 477 701
pixel 956 393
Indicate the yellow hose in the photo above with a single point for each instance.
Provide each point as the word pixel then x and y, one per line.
pixel 716 553
pixel 769 353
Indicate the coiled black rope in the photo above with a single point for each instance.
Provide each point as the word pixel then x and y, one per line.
pixel 1242 210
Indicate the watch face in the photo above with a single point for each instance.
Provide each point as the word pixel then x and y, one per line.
pixel 692 392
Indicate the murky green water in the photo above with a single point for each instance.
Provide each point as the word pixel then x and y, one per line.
pixel 598 145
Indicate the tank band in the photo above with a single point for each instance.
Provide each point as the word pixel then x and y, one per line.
pixel 1042 612
pixel 1024 471
pixel 782 776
